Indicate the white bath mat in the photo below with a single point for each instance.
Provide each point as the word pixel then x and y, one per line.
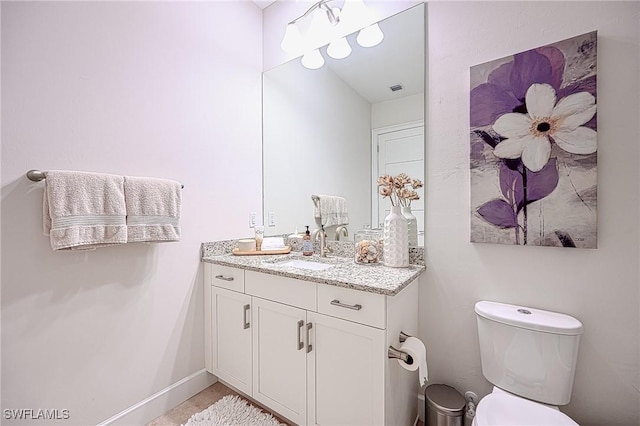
pixel 232 411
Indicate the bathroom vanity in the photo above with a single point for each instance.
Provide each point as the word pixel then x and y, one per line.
pixel 310 342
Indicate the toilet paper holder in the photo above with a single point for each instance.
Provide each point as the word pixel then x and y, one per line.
pixel 398 354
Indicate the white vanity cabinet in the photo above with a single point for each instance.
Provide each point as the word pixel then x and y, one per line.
pixel 346 378
pixel 228 343
pixel 280 358
pixel 315 354
pixel 231 338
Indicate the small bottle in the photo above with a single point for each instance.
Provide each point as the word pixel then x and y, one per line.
pixel 307 244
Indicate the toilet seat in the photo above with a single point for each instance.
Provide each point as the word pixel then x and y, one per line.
pixel 498 409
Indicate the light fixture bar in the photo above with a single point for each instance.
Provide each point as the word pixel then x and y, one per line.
pixel 322 4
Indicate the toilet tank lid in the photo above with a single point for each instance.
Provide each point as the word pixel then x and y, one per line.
pixel 529 318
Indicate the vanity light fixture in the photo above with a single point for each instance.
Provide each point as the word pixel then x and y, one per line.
pixel 330 25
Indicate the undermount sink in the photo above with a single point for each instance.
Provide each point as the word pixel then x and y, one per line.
pixel 306 264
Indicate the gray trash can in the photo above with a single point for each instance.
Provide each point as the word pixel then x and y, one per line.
pixel 444 406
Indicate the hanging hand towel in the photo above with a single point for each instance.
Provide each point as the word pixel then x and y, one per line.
pixel 153 209
pixel 331 210
pixel 83 211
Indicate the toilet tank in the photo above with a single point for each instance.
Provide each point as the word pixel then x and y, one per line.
pixel 528 352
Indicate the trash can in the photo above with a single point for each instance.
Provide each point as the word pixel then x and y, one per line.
pixel 444 406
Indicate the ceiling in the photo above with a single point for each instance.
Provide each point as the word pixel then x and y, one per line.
pixel 399 59
pixel 263 3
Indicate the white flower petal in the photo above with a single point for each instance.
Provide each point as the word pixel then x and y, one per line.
pixel 574 121
pixel 513 125
pixel 540 99
pixel 536 153
pixel 582 140
pixel 574 104
pixel 509 148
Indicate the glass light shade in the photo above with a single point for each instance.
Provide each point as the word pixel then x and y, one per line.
pixel 339 49
pixel 355 14
pixel 320 30
pixel 313 60
pixel 370 36
pixel 292 40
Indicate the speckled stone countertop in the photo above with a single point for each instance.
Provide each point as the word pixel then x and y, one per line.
pixel 343 273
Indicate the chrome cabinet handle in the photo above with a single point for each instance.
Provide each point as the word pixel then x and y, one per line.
pixel 300 342
pixel 244 316
pixel 309 345
pixel 222 277
pixel 336 302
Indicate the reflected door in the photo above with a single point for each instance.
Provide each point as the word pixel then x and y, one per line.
pixel 400 149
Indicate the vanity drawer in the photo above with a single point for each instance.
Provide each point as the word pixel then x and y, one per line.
pixel 290 291
pixel 225 277
pixel 353 305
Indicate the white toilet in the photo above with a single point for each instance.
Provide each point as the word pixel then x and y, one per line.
pixel 530 356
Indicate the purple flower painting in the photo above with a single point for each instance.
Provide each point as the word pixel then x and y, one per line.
pixel 534 146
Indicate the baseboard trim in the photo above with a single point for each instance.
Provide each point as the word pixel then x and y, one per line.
pixel 162 401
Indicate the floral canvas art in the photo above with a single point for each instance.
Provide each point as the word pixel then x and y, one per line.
pixel 533 143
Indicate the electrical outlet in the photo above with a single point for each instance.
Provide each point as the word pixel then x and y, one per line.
pixel 272 219
pixel 252 219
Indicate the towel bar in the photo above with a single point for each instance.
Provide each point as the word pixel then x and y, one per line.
pixel 37 176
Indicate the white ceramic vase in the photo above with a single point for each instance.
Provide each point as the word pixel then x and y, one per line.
pixel 396 239
pixel 412 226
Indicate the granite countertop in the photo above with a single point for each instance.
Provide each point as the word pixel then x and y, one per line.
pixel 343 273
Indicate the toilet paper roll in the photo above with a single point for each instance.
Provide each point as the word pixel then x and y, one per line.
pixel 415 348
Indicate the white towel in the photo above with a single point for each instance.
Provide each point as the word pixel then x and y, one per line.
pixel 83 211
pixel 273 243
pixel 331 210
pixel 153 209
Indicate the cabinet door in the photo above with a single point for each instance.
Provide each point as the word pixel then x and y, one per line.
pixel 345 373
pixel 231 337
pixel 279 358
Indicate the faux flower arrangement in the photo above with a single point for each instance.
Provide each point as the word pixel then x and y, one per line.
pixel 400 189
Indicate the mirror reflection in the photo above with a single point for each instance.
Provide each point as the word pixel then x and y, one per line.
pixel 332 131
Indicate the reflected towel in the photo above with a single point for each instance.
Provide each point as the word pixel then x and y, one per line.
pixel 153 209
pixel 331 210
pixel 83 211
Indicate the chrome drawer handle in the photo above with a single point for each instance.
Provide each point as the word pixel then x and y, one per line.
pixel 300 342
pixel 222 277
pixel 336 302
pixel 244 316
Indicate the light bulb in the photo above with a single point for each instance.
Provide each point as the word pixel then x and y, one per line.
pixel 370 36
pixel 313 60
pixel 339 49
pixel 292 40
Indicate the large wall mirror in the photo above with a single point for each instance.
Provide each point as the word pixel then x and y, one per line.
pixel 333 130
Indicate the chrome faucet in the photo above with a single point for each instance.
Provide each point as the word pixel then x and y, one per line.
pixel 324 248
pixel 342 229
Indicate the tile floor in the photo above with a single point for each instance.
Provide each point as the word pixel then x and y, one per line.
pixel 181 414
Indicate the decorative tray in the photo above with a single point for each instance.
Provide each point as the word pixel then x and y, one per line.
pixel 285 250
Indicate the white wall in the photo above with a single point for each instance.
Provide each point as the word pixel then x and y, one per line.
pixel 599 287
pixel 397 111
pixel 165 89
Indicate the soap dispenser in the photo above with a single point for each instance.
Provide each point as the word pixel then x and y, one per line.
pixel 307 244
